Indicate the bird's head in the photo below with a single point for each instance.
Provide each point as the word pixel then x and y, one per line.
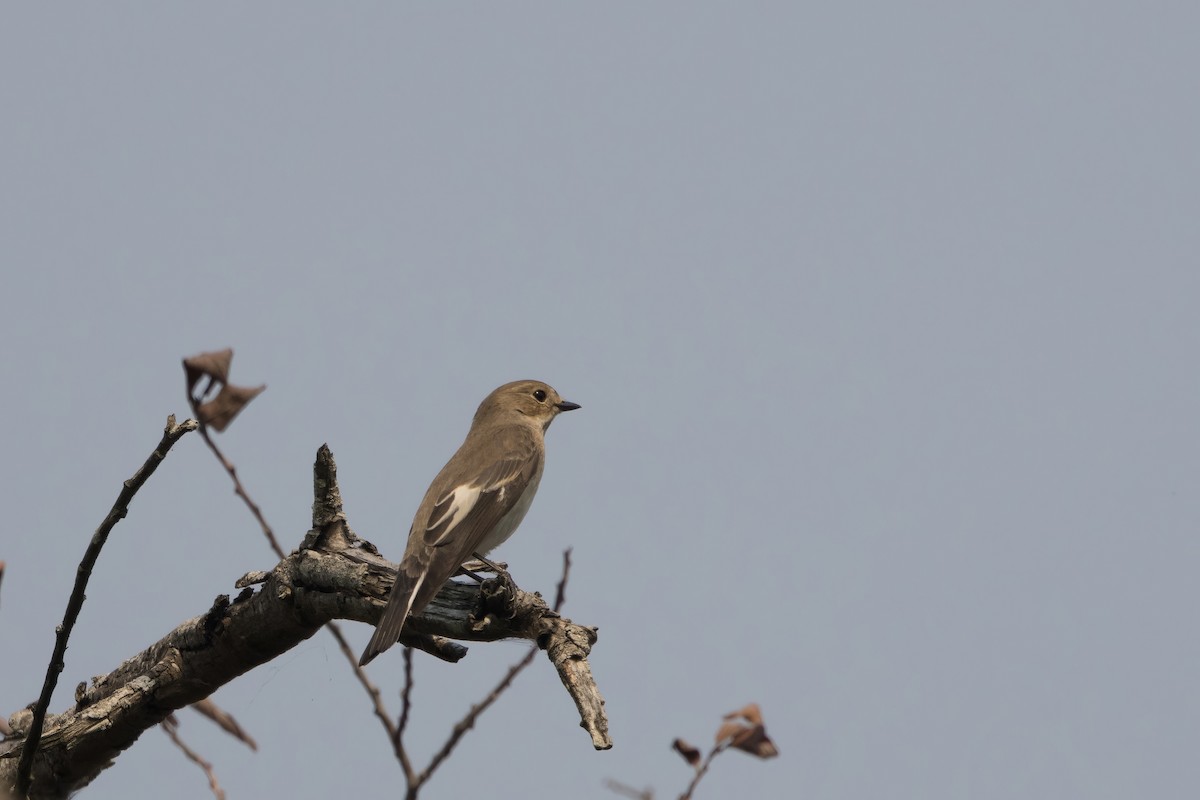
pixel 524 399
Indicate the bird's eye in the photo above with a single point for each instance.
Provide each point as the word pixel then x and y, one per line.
pixel 539 395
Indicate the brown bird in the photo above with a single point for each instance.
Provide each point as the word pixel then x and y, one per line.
pixel 476 501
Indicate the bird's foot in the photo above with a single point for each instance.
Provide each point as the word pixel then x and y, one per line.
pixel 496 596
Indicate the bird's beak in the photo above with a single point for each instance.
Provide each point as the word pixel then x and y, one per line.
pixel 565 406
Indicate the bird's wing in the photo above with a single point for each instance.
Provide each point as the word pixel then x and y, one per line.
pixel 463 516
pixel 454 529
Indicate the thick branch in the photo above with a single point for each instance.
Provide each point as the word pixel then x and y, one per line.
pixel 334 575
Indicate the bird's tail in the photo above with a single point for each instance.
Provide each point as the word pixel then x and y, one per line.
pixel 400 602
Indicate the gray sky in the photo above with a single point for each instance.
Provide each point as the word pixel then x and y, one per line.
pixel 883 318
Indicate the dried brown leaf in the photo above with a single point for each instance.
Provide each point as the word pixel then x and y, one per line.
pixel 750 713
pixel 755 742
pixel 689 753
pixel 750 738
pixel 727 730
pixel 214 365
pixel 220 411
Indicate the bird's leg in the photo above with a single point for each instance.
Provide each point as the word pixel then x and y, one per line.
pixel 462 570
pixel 496 568
pixel 480 563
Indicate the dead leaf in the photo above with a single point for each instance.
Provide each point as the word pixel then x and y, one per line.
pixel 727 730
pixel 214 365
pixel 750 713
pixel 689 753
pixel 220 411
pixel 750 738
pixel 755 742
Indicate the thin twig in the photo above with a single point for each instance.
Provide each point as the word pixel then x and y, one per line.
pixel 1 572
pixel 405 707
pixel 406 695
pixel 700 772
pixel 620 788
pixel 240 490
pixel 560 595
pixel 380 710
pixel 171 434
pixel 225 721
pixel 171 726
pixel 468 722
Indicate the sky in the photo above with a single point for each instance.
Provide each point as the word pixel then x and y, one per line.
pixel 883 318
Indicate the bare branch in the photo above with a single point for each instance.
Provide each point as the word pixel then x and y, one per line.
pixel 333 574
pixel 326 510
pixel 560 594
pixel 329 508
pixel 240 490
pixel 568 652
pixel 377 706
pixel 216 366
pixel 410 775
pixel 406 694
pixel 171 434
pixel 702 770
pixel 170 726
pixel 628 791
pixel 500 611
pixel 224 720
pixel 466 723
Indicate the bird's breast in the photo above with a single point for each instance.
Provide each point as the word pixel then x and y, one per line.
pixel 509 522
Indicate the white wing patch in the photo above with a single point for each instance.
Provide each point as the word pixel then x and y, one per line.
pixel 415 591
pixel 462 501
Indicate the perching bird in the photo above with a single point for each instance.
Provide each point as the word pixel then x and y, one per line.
pixel 476 501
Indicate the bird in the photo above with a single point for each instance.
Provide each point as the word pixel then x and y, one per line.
pixel 476 501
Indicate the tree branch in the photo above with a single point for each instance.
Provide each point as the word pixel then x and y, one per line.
pixel 171 434
pixel 326 507
pixel 334 574
pixel 170 726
